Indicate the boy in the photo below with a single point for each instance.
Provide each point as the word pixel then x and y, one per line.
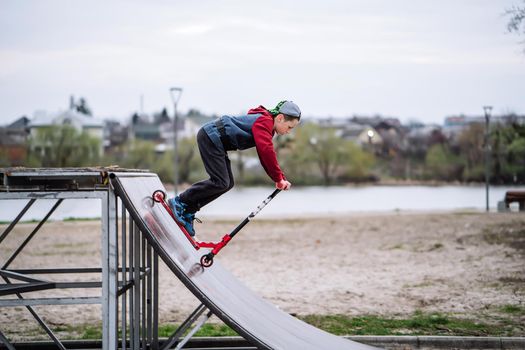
pixel 225 134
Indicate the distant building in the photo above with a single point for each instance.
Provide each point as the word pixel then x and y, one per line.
pixel 420 139
pixel 143 128
pixel 115 134
pixel 454 125
pixel 393 135
pixel 160 129
pixel 360 134
pixel 13 141
pixel 81 122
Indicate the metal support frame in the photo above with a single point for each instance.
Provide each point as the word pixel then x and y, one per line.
pixel 192 318
pixel 128 272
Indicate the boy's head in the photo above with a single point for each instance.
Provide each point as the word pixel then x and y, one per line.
pixel 286 117
pixel 288 108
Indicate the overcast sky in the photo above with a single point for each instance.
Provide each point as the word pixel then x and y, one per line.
pixel 422 60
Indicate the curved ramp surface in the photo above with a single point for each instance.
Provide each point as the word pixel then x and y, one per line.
pixel 258 321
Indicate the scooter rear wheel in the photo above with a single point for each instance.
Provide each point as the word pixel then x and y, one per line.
pixel 207 260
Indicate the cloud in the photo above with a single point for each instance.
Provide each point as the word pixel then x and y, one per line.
pixel 192 29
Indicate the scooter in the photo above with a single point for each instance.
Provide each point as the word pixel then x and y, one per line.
pixel 206 260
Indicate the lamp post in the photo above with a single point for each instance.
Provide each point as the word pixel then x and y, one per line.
pixel 175 93
pixel 370 134
pixel 487 110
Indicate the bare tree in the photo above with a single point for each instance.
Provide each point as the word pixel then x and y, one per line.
pixel 516 22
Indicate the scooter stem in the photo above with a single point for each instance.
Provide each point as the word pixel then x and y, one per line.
pixel 253 213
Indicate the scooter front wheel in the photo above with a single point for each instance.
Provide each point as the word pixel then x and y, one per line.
pixel 207 260
pixel 159 196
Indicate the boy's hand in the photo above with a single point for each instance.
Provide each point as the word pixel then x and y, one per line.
pixel 283 185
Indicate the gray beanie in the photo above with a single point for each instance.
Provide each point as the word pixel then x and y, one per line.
pixel 291 109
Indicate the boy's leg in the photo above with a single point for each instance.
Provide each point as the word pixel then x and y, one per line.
pixel 218 167
pixel 225 189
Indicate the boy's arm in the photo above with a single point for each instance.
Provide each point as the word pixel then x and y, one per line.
pixel 263 134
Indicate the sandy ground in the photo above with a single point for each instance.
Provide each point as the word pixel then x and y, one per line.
pixel 468 264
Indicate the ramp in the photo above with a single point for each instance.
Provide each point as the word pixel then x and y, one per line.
pixel 255 319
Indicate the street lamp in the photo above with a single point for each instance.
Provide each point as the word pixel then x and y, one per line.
pixel 370 134
pixel 487 110
pixel 175 93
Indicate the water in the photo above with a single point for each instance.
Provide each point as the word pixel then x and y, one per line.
pixel 305 201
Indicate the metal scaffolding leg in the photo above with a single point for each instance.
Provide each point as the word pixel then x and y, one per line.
pixel 6 342
pixel 17 219
pixel 194 330
pixel 129 273
pixel 173 339
pixel 33 284
pixel 124 277
pixel 109 273
pixel 138 287
pixel 40 321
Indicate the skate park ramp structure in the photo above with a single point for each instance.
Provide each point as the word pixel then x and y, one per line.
pixel 255 319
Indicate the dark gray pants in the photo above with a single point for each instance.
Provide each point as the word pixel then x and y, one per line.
pixel 218 167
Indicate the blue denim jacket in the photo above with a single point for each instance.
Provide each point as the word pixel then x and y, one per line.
pixel 238 130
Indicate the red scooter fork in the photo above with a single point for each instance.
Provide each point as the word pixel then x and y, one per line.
pixel 207 259
pixel 159 196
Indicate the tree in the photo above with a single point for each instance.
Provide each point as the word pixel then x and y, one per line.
pixel 189 167
pixel 516 156
pixel 517 19
pixel 162 117
pixel 4 158
pixel 139 154
pixel 63 146
pixel 442 164
pixel 471 149
pixel 508 153
pixel 321 151
pixel 82 107
pixel 187 148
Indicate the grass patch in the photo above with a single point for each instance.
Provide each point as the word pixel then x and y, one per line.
pixel 208 330
pixel 73 219
pixel 511 234
pixel 32 221
pixel 94 332
pixel 418 324
pixel 513 309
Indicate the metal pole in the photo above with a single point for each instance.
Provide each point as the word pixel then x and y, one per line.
pixel 175 100
pixel 487 110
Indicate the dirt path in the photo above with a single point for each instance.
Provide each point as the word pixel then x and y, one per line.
pixel 388 264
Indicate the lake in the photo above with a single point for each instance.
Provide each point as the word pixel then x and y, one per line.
pixel 300 201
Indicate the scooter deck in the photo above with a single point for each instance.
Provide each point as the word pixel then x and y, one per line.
pixel 207 260
pixel 160 197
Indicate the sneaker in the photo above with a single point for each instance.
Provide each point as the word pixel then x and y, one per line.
pixel 190 218
pixel 179 210
pixel 177 206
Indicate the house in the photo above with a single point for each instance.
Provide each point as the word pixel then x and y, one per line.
pixel 143 128
pixel 421 138
pixel 360 134
pixel 454 125
pixel 393 135
pixel 160 128
pixel 115 134
pixel 13 141
pixel 81 122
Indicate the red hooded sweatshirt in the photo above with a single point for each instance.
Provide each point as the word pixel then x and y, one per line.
pixel 263 133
